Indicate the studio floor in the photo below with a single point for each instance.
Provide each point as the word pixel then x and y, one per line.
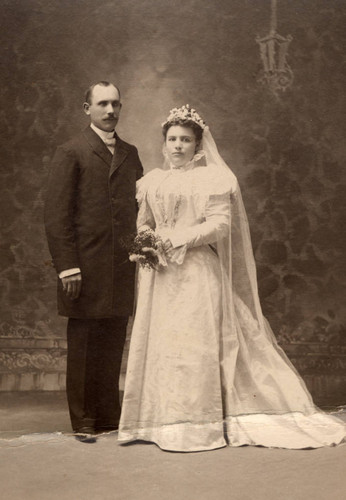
pixel 41 460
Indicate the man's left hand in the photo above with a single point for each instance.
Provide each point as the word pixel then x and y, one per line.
pixel 72 285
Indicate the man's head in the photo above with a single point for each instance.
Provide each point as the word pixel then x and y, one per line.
pixel 102 104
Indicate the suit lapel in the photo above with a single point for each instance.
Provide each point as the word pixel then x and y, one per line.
pixel 98 146
pixel 120 153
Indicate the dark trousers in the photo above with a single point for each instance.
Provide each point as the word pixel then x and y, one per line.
pixel 94 353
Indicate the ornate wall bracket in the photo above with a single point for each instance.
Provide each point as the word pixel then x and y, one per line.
pixel 276 73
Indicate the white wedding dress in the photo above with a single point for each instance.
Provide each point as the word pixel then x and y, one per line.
pixel 199 377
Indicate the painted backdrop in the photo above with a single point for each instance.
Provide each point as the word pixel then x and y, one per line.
pixel 288 153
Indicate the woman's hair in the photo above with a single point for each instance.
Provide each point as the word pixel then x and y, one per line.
pixel 197 130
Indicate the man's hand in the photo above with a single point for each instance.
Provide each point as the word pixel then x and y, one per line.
pixel 72 285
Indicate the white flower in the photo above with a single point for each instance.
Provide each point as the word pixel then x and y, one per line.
pixel 185 113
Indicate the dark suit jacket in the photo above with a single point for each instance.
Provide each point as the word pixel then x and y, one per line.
pixel 90 208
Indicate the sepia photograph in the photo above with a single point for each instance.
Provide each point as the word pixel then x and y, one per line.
pixel 172 249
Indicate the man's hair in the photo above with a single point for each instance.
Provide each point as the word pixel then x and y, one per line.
pixel 89 92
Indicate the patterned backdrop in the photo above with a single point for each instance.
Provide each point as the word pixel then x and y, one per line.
pixel 288 152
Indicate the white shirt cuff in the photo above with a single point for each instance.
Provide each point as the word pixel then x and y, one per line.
pixel 69 272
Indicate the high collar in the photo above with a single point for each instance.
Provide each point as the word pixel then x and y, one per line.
pixel 102 134
pixel 189 165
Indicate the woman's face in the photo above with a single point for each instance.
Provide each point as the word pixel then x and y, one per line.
pixel 180 145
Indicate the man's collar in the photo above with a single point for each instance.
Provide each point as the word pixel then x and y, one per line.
pixel 101 133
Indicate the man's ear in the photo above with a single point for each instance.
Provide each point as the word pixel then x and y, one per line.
pixel 86 107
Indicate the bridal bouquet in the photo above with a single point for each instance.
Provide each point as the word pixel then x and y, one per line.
pixel 146 248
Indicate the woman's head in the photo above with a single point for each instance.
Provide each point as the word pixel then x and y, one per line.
pixel 197 129
pixel 183 132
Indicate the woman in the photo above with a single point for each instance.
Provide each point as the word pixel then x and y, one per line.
pixel 204 369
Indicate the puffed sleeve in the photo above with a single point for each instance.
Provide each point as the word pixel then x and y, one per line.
pixel 214 227
pixel 145 217
pixel 214 188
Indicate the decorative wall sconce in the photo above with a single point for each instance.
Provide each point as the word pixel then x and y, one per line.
pixel 276 73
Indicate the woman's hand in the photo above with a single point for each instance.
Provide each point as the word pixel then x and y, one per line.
pixel 167 245
pixel 168 248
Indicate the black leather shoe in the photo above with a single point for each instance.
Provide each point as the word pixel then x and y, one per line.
pixel 85 435
pixel 105 429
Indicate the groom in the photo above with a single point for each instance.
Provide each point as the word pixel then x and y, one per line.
pixel 90 208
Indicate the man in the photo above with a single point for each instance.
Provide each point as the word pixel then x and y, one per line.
pixel 90 209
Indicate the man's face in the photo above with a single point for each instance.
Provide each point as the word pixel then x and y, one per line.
pixel 105 107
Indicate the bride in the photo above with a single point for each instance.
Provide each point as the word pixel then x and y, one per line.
pixel 204 368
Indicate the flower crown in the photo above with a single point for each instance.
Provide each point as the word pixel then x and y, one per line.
pixel 184 113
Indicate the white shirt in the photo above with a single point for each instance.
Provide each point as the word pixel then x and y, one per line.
pixel 104 136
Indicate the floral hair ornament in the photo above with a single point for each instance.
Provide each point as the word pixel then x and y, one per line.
pixel 184 113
